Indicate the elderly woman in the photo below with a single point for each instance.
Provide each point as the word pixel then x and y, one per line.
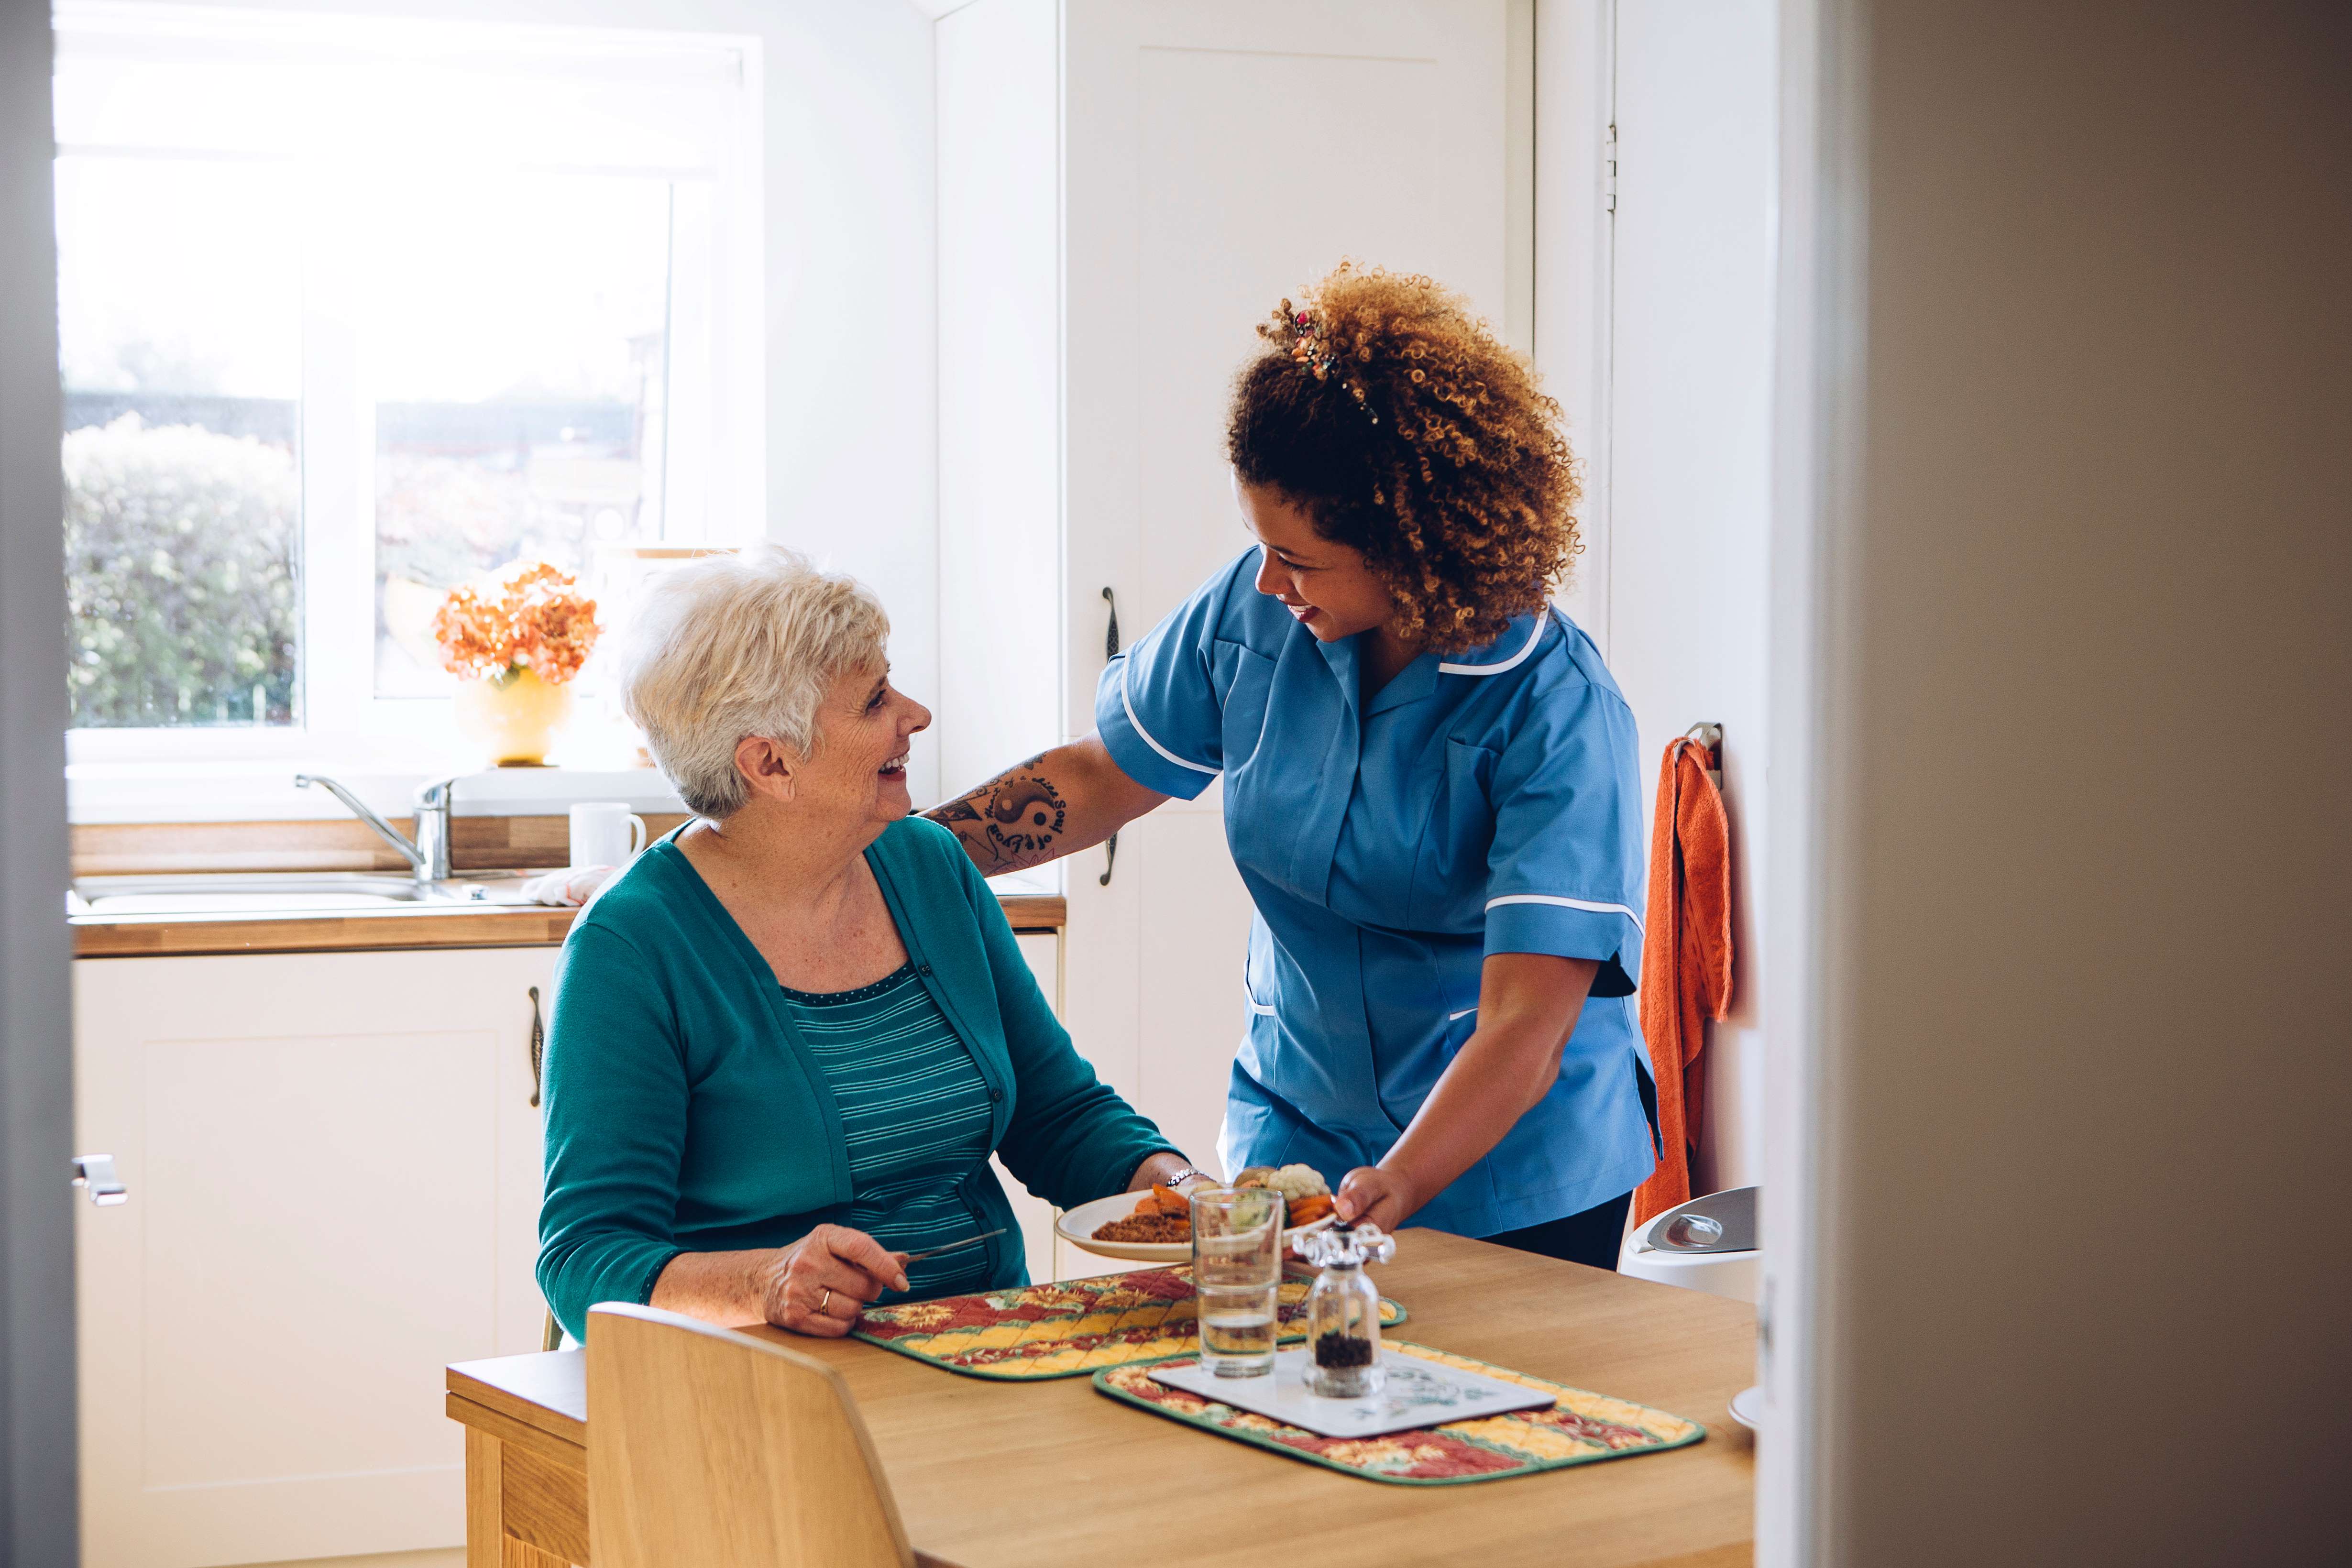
pixel 787 1039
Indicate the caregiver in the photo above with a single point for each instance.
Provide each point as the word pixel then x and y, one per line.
pixel 1429 783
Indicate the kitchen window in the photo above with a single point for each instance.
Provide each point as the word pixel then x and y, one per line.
pixel 355 309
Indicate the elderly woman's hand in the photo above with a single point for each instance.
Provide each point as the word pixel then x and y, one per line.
pixel 822 1282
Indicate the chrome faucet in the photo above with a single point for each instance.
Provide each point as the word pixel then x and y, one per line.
pixel 429 856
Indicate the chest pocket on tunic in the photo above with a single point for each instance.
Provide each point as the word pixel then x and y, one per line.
pixel 1449 874
pixel 1243 679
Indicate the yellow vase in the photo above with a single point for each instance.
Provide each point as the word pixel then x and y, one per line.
pixel 515 718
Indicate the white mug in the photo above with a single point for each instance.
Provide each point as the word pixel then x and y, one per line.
pixel 606 832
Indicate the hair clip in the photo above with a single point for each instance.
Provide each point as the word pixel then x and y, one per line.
pixel 1308 348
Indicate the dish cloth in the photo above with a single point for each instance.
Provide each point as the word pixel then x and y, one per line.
pixel 1686 961
pixel 567 889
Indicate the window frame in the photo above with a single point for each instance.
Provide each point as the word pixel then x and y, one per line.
pixel 715 400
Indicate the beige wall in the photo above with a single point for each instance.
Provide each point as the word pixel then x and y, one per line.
pixel 2088 913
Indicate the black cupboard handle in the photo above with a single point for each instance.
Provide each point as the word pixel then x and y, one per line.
pixel 538 1044
pixel 1110 650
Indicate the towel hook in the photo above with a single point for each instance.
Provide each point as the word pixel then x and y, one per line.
pixel 1710 734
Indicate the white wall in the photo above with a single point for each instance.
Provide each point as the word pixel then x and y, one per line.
pixel 1676 577
pixel 849 229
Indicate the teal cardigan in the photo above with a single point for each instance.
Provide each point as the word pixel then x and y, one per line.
pixel 685 1113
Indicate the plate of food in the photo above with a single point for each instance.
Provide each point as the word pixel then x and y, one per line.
pixel 1155 1226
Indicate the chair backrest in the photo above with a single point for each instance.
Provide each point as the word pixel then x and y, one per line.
pixel 709 1449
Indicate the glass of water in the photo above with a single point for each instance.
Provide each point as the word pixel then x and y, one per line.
pixel 1236 1271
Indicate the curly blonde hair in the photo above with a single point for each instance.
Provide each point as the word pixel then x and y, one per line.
pixel 1393 417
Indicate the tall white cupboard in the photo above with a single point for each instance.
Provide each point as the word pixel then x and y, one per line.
pixel 1127 188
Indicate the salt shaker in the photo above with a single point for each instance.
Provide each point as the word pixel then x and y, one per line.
pixel 1343 1311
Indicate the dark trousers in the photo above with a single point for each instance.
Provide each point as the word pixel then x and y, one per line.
pixel 1590 1237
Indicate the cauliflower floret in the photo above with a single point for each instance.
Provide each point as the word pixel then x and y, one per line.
pixel 1297 1181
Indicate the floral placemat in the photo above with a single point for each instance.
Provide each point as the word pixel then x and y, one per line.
pixel 1580 1428
pixel 1070 1327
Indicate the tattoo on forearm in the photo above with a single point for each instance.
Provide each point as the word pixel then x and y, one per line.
pixel 1011 821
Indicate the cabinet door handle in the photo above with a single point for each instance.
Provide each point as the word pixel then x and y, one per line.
pixel 1110 650
pixel 538 1044
pixel 95 1173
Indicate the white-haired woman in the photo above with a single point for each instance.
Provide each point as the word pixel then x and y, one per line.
pixel 787 1038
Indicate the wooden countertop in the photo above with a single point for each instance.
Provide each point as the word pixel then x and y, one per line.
pixel 1020 1473
pixel 394 930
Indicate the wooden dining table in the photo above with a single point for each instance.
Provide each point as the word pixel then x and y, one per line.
pixel 1011 1475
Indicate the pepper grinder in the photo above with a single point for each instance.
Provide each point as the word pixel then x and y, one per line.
pixel 1343 1311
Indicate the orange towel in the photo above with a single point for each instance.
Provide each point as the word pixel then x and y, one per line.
pixel 1685 960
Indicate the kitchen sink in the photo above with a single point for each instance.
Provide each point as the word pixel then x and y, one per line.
pixel 288 892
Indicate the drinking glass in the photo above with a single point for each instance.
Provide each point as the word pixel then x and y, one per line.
pixel 1236 1272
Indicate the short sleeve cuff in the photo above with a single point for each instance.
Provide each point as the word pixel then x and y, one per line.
pixel 1139 755
pixel 1566 929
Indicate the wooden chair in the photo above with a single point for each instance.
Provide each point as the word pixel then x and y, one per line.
pixel 709 1449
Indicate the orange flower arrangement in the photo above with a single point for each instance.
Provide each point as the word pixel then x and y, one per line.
pixel 532 617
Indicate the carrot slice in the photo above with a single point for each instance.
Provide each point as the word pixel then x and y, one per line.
pixel 1171 1201
pixel 1308 1209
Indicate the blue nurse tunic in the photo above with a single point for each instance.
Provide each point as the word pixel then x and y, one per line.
pixel 1481 802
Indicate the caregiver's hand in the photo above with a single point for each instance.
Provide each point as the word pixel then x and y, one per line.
pixel 820 1284
pixel 1385 1198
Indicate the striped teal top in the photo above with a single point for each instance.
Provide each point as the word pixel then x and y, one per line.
pixel 915 1114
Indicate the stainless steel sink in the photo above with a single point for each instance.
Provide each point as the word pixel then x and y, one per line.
pixel 290 893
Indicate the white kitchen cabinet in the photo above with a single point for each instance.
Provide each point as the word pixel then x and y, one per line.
pixel 1049 1257
pixel 1127 188
pixel 334 1178
pixel 333 1168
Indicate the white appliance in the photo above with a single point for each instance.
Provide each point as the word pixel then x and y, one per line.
pixel 1708 1244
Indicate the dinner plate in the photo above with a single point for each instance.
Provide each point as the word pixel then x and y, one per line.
pixel 1748 1407
pixel 1077 1226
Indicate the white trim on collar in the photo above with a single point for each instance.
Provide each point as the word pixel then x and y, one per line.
pixel 1513 663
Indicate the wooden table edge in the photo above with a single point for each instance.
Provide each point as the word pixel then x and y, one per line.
pixel 562 1424
pixel 396 930
pixel 481 1417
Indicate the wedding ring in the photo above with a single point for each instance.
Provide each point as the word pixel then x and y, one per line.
pixel 821 1301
